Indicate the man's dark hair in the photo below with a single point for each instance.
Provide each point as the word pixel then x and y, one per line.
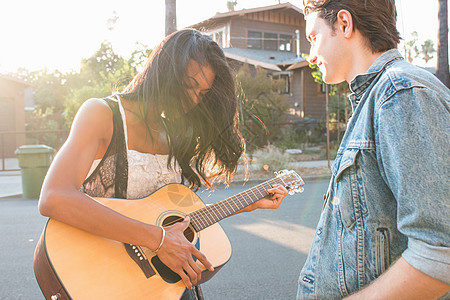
pixel 375 19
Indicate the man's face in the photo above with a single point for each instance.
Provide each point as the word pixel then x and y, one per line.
pixel 327 49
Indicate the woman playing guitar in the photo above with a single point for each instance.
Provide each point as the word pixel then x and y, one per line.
pixel 175 122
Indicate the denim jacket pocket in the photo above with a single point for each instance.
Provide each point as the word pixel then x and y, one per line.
pixel 382 250
pixel 346 196
pixel 344 159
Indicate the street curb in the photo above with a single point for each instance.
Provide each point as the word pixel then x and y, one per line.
pixel 250 182
pixel 11 196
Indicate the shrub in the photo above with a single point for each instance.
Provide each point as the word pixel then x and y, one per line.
pixel 271 158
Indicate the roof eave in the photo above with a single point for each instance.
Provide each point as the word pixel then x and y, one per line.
pixel 298 65
pixel 251 61
pixel 242 12
pixel 16 80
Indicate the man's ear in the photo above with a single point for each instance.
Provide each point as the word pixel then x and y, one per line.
pixel 345 23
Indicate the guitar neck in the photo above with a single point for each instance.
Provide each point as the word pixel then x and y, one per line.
pixel 211 214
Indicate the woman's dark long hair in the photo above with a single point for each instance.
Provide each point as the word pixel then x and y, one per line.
pixel 205 141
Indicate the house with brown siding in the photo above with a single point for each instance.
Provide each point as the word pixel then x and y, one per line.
pixel 13 95
pixel 273 38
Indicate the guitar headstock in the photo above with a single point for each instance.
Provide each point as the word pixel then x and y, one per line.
pixel 292 181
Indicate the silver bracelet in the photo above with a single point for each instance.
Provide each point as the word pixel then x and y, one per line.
pixel 162 240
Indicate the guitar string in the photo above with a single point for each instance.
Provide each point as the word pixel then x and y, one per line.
pixel 205 216
pixel 208 211
pixel 200 214
pixel 242 198
pixel 226 203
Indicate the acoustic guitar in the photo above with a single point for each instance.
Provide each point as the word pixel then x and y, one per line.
pixel 70 263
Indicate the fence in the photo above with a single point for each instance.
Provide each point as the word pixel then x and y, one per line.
pixel 306 134
pixel 11 140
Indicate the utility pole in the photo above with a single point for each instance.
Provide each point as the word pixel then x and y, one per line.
pixel 327 98
pixel 171 16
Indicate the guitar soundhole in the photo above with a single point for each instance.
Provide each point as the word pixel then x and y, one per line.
pixel 188 233
pixel 167 274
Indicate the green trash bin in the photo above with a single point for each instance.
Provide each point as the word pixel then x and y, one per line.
pixel 34 161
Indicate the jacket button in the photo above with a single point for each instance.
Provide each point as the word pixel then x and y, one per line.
pixel 308 279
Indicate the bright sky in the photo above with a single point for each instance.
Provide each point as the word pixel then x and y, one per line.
pixel 56 34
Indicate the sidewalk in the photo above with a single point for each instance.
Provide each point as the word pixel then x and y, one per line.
pixel 11 181
pixel 10 184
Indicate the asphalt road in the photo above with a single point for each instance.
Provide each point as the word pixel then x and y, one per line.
pixel 269 246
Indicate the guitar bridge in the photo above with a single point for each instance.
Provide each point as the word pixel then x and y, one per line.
pixel 165 272
pixel 139 257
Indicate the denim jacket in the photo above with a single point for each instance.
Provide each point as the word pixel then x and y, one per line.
pixel 389 192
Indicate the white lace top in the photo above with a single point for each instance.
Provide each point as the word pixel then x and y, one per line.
pixel 146 172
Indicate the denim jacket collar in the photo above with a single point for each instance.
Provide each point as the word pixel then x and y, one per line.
pixel 361 82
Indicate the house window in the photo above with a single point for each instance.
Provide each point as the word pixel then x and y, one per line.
pixel 254 40
pixel 285 89
pixel 285 43
pixel 218 38
pixel 270 41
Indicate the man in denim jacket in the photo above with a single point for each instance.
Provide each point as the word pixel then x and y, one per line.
pixel 384 232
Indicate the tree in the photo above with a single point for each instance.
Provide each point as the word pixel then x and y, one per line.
pixel 111 22
pixel 336 113
pixel 171 16
pixel 104 60
pixel 76 98
pixel 442 69
pixel 427 49
pixel 100 74
pixel 58 96
pixel 263 108
pixel 139 56
pixel 231 5
pixel 49 88
pixel 412 51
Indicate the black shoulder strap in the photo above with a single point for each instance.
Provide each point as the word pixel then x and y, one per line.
pixel 118 141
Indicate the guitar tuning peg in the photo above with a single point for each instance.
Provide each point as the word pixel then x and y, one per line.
pixel 296 190
pixel 281 172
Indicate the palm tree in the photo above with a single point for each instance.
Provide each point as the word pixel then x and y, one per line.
pixel 231 5
pixel 442 47
pixel 171 16
pixel 427 50
pixel 412 51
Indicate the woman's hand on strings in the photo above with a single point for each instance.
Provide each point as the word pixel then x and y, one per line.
pixel 177 253
pixel 272 201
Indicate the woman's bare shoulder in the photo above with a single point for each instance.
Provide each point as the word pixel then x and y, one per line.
pixel 94 117
pixel 95 106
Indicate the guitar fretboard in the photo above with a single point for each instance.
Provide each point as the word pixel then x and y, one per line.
pixel 209 215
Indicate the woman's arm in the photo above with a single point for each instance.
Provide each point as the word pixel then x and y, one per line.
pixel 61 199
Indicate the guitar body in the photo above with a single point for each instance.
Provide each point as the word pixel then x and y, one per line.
pixel 73 264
